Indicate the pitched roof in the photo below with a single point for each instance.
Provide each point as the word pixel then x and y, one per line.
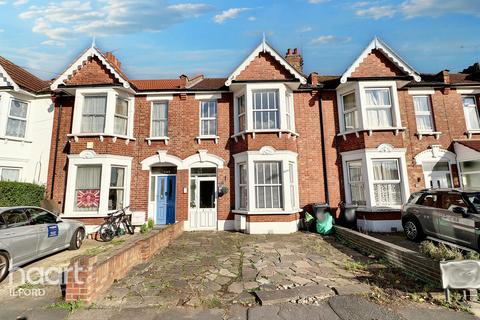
pixel 160 84
pixel 23 78
pixel 472 144
pixel 210 84
pixel 378 44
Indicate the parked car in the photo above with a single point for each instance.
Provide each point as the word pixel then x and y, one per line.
pixel 29 233
pixel 451 215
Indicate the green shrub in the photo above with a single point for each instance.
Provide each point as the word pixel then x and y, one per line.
pixel 440 252
pixel 150 224
pixel 144 228
pixel 20 194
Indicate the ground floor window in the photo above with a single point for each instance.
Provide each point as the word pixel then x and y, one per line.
pixel 268 185
pixel 87 188
pixel 470 172
pixel 116 191
pixel 9 174
pixel 242 186
pixel 355 182
pixel 386 183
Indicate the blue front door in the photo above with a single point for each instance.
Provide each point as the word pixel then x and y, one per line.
pixel 165 200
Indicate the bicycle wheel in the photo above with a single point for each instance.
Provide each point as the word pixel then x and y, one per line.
pixel 106 232
pixel 128 225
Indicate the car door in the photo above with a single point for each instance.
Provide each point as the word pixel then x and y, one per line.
pixel 454 227
pixel 18 236
pixel 424 209
pixel 51 235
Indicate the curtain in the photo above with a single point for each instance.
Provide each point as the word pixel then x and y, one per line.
pixel 379 118
pixel 115 194
pixel 94 109
pixel 349 102
pixel 424 123
pixel 88 188
pixel 121 117
pixel 208 118
pixel 421 104
pixel 378 97
pixel 379 113
pixel 17 120
pixel 385 170
pixel 471 115
pixel 160 119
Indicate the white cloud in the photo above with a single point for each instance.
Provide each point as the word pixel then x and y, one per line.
pixel 2 2
pixel 305 29
pixel 53 43
pixel 20 2
pixel 231 13
pixel 417 8
pixel 60 21
pixel 252 18
pixel 326 39
pixel 2 30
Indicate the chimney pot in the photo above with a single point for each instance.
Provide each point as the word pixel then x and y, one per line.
pixel 289 51
pixel 295 51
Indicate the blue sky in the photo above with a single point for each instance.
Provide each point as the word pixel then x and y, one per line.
pixel 165 38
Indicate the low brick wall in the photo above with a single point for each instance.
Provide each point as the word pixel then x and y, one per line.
pixel 99 272
pixel 412 262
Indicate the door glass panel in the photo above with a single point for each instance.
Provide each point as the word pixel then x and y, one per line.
pixel 193 193
pixel 162 188
pixel 207 194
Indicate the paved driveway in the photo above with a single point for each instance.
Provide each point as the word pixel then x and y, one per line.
pixel 221 275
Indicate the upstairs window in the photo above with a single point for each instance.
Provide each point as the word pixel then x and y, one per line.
pixel 471 113
pixel 288 111
pixel 93 117
pixel 386 183
pixel 241 111
pixel 268 185
pixel 265 109
pixel 159 119
pixel 121 117
pixel 350 113
pixel 17 119
pixel 208 118
pixel 423 113
pixel 379 107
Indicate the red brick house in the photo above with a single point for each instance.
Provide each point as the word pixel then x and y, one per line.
pixel 250 151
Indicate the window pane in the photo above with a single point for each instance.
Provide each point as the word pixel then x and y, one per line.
pixel 470 166
pixel 424 123
pixel 8 174
pixel 16 128
pixel 94 108
pixel 117 177
pixel 471 117
pixel 435 166
pixel 387 194
pixel 469 101
pixel 243 173
pixel 15 218
pixel 429 200
pixel 421 103
pixel 95 105
pixel 120 126
pixel 452 200
pixel 18 109
pixel 378 97
pixel 121 107
pixel 349 101
pixel 88 188
pixel 385 170
pixel 115 199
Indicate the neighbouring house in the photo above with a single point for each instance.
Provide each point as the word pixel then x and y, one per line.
pixel 250 151
pixel 26 118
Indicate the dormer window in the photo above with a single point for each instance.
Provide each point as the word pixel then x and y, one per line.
pixel 265 109
pixel 94 111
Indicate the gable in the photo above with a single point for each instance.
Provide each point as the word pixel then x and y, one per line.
pixel 265 67
pixel 376 64
pixel 92 71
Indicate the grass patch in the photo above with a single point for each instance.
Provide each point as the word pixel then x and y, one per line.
pixel 441 252
pixel 71 306
pixel 355 266
pixel 212 303
pixel 91 252
pixel 28 286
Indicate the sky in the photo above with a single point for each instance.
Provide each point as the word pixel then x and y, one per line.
pixel 166 38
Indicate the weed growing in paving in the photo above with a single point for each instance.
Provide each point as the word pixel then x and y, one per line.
pixel 355 266
pixel 71 306
pixel 212 303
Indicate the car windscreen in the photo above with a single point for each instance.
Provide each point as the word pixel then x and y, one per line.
pixel 474 199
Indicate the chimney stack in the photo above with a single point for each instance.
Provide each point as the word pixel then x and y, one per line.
pixel 113 60
pixel 295 59
pixel 313 79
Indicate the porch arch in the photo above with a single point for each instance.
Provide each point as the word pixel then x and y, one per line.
pixel 161 158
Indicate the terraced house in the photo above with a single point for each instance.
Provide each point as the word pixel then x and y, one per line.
pixel 252 150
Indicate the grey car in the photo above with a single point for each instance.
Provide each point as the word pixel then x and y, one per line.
pixel 451 215
pixel 29 233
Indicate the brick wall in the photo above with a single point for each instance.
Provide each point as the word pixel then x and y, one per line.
pixel 376 65
pixel 264 67
pixel 92 72
pixel 97 273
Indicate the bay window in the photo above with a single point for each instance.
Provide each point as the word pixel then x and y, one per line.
pixel 266 109
pixel 93 115
pixel 379 107
pixel 423 113
pixel 87 188
pixel 208 118
pixel 121 117
pixel 159 123
pixel 350 114
pixel 241 112
pixel 386 183
pixel 116 191
pixel 242 186
pixel 268 185
pixel 471 112
pixel 17 119
pixel 355 183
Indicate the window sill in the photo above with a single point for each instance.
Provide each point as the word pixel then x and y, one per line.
pixel 164 139
pixel 269 211
pixel 200 138
pixel 101 136
pixel 420 134
pixel 357 132
pixel 254 132
pixel 16 139
pixel 469 133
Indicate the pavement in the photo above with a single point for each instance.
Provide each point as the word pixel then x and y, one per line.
pixel 223 275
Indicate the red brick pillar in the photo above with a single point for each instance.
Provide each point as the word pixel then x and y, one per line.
pixel 81 279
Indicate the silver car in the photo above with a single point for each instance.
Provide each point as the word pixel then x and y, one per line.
pixel 451 215
pixel 29 233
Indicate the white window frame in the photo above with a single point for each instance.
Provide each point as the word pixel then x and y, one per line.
pixel 284 93
pixel 360 87
pixel 267 154
pixel 280 185
pixel 107 161
pixel 389 182
pixel 11 168
pixel 118 188
pixel 386 107
pixel 112 95
pixel 275 109
pixel 121 116
pixel 355 112
pixel 366 156
pixel 164 119
pixel 241 114
pixel 243 186
pixel 428 113
pixel 215 134
pixel 18 118
pixel 474 106
pixel 85 97
pixel 349 179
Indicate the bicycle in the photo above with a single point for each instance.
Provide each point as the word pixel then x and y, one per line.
pixel 112 226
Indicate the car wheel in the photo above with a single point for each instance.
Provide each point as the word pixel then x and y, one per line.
pixel 413 230
pixel 4 265
pixel 77 239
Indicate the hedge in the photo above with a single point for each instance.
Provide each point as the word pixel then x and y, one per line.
pixel 20 194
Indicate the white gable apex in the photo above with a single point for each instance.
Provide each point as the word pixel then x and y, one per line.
pixel 91 52
pixel 389 53
pixel 265 47
pixel 6 80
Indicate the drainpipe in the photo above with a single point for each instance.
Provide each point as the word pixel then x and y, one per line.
pixel 324 156
pixel 57 141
